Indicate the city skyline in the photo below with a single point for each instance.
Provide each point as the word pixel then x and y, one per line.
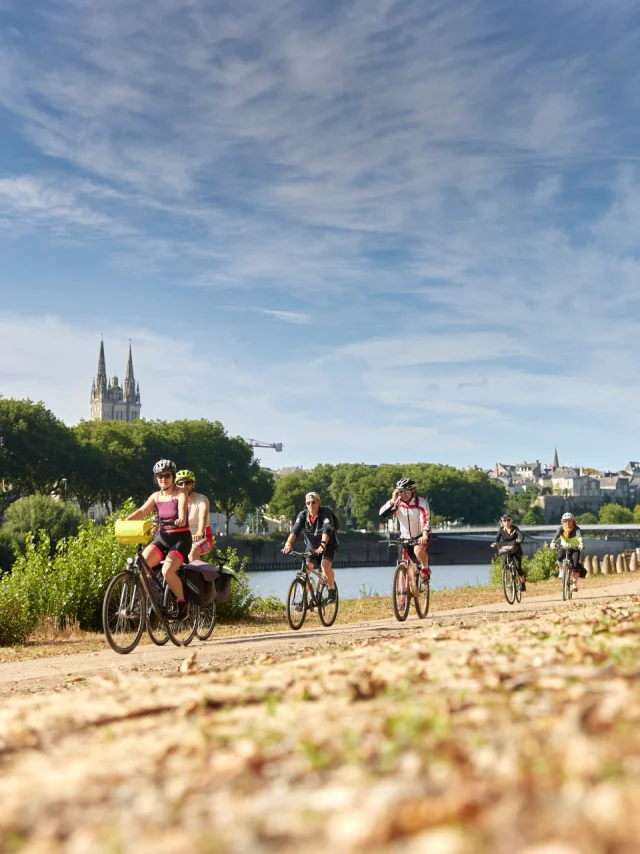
pixel 368 232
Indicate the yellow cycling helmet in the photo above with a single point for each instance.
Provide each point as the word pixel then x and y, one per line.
pixel 185 474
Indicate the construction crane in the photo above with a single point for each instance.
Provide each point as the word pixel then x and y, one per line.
pixel 256 443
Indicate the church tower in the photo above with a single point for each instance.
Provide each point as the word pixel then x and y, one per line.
pixel 109 402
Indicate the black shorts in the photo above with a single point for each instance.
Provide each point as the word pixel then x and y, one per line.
pixel 328 554
pixel 179 542
pixel 411 551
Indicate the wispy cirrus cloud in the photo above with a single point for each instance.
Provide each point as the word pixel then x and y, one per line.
pixel 300 318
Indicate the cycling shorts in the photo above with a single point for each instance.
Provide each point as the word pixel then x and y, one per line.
pixel 178 542
pixel 206 544
pixel 411 551
pixel 328 554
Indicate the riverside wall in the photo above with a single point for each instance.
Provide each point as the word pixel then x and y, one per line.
pixel 264 555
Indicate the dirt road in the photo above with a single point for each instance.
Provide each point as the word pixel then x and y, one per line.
pixel 63 672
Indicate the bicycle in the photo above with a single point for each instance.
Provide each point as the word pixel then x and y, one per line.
pixel 511 583
pixel 408 584
pixel 304 595
pixel 566 574
pixel 128 600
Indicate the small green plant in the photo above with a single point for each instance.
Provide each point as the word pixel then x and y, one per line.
pixel 368 593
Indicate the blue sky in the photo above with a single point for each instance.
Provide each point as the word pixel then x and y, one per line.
pixel 377 230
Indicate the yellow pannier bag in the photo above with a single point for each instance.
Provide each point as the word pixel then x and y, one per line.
pixel 132 533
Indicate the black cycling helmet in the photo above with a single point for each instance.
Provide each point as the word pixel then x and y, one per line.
pixel 164 465
pixel 406 483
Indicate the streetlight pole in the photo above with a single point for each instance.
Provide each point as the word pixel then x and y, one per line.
pixel 64 480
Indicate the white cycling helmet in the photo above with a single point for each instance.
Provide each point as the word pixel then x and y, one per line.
pixel 164 465
pixel 567 516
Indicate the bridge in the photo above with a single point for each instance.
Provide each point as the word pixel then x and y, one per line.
pixel 471 530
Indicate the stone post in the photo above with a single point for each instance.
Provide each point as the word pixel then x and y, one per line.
pixel 633 563
pixel 625 558
pixel 605 565
pixel 595 564
pixel 587 565
pixel 619 564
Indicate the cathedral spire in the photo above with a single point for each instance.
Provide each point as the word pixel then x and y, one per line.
pixel 129 382
pixel 556 464
pixel 101 379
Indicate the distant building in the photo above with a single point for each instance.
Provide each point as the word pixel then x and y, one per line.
pixel 110 402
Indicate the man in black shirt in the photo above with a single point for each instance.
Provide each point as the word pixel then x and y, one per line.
pixel 317 525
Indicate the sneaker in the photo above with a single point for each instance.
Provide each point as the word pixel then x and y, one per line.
pixel 425 573
pixel 574 587
pixel 331 594
pixel 402 602
pixel 183 610
pixel 523 586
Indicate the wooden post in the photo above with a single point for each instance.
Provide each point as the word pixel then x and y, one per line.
pixel 587 565
pixel 595 564
pixel 606 565
pixel 633 563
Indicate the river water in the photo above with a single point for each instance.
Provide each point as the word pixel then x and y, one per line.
pixel 354 583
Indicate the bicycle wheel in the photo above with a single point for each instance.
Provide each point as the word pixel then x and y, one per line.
pixel 400 593
pixel 123 613
pixel 156 627
pixel 182 632
pixel 422 599
pixel 206 621
pixel 517 584
pixel 507 584
pixel 566 580
pixel 327 611
pixel 297 603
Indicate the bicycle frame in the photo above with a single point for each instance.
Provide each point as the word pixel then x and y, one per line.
pixel 307 572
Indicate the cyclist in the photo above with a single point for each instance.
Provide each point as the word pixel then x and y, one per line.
pixel 172 541
pixel 511 534
pixel 198 515
pixel 414 517
pixel 318 525
pixel 571 544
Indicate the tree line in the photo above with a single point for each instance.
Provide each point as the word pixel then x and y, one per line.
pixel 106 462
pixel 356 492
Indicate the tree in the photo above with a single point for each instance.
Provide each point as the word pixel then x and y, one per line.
pixel 58 519
pixel 615 514
pixel 36 449
pixel 533 516
pixel 587 518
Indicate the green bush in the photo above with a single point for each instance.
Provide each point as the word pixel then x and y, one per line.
pixel 7 552
pixel 542 565
pixel 587 519
pixel 27 516
pixel 615 514
pixel 17 619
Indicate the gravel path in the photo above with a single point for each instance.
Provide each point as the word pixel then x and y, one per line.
pixel 60 673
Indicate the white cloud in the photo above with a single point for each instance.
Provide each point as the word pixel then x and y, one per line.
pixel 301 318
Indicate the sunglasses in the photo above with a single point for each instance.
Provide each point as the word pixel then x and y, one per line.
pixel 312 502
pixel 165 476
pixel 185 482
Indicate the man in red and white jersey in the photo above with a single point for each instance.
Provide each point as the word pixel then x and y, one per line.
pixel 414 517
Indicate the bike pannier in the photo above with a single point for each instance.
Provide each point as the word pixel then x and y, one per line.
pixel 199 582
pixel 223 585
pixel 133 533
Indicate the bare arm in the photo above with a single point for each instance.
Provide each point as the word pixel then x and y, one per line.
pixel 183 510
pixel 203 516
pixel 143 511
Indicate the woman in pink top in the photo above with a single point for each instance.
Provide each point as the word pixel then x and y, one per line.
pixel 172 541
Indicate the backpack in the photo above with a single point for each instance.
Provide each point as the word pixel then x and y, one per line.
pixel 336 522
